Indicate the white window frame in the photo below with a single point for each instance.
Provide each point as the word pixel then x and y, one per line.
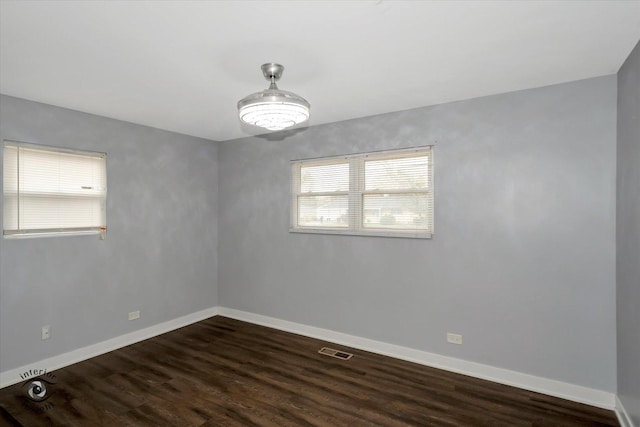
pixel 64 231
pixel 356 194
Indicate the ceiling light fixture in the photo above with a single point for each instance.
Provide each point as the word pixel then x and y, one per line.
pixel 273 109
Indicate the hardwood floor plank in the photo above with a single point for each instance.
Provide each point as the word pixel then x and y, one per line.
pixel 224 372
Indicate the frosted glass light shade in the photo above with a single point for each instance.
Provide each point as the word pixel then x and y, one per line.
pixel 274 115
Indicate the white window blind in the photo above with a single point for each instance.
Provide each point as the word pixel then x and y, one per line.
pixel 383 194
pixel 323 199
pixel 52 191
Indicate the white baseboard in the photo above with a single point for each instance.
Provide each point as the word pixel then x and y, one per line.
pixel 12 376
pixel 623 417
pixel 576 393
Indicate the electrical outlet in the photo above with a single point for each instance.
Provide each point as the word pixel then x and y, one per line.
pixel 46 332
pixel 454 338
pixel 134 315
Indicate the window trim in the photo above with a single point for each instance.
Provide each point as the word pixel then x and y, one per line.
pixel 54 232
pixel 356 194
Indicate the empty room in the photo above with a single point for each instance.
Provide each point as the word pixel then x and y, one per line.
pixel 320 213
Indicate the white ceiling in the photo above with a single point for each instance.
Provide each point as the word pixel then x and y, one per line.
pixel 183 65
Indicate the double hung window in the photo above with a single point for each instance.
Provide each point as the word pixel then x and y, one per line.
pixel 51 191
pixel 381 194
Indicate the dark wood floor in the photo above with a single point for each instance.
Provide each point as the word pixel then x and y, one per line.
pixel 222 372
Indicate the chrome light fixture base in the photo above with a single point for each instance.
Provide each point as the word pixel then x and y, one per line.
pixel 273 109
pixel 272 72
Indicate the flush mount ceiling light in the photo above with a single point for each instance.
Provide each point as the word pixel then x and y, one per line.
pixel 273 109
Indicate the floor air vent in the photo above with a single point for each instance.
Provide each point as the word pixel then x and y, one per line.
pixel 335 353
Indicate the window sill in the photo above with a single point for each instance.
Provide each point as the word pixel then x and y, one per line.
pixel 34 234
pixel 366 233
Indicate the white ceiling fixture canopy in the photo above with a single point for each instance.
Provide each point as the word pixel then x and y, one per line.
pixel 273 109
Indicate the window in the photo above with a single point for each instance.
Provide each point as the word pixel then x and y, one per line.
pixel 52 191
pixel 380 194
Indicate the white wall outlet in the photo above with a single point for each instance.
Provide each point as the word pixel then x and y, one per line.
pixel 46 332
pixel 134 315
pixel 454 338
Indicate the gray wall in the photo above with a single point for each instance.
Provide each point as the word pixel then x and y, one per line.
pixel 628 235
pixel 523 259
pixel 160 254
